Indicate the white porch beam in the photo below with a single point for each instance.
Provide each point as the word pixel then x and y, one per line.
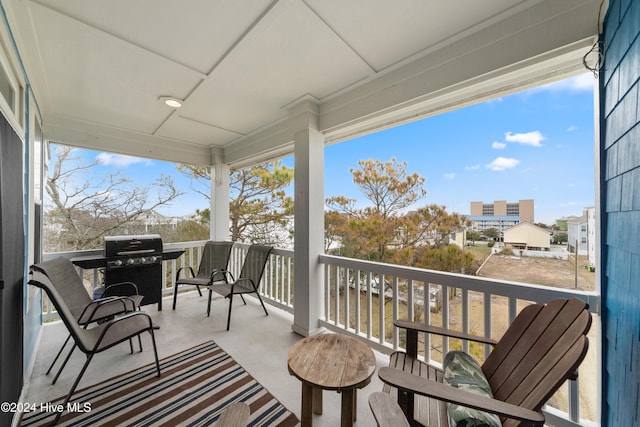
pixel 219 206
pixel 309 217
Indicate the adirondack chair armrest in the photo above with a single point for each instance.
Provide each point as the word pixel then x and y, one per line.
pixel 386 410
pixel 436 390
pixel 414 327
pixel 188 268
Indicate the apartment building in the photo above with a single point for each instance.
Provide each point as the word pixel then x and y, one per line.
pixel 581 234
pixel 500 214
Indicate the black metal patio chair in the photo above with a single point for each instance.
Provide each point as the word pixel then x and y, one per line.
pixel 214 261
pixel 98 338
pixel 122 298
pixel 247 283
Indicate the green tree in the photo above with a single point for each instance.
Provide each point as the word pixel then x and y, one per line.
pixel 491 233
pixel 473 236
pixel 445 258
pixel 190 230
pixel 384 231
pixel 371 231
pixel 260 210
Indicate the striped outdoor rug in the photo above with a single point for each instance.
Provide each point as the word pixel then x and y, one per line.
pixel 195 386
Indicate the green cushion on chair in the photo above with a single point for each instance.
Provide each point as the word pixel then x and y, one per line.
pixel 462 371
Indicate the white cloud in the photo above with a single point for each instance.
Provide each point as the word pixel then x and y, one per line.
pixel 449 176
pixel 572 128
pixel 498 145
pixel 530 138
pixel 581 83
pixel 502 163
pixel 118 160
pixel 472 168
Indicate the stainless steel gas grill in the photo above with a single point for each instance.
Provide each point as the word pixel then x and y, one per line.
pixel 136 259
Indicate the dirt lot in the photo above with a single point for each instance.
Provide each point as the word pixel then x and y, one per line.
pixel 558 273
pixel 540 271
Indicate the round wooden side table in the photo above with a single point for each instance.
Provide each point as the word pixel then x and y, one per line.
pixel 331 362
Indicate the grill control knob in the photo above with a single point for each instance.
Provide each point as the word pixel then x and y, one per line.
pixel 117 263
pixel 130 261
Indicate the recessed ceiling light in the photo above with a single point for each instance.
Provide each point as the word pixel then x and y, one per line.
pixel 171 101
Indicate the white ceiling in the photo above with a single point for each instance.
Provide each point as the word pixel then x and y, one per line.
pixel 98 67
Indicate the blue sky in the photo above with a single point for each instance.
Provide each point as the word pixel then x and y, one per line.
pixel 537 144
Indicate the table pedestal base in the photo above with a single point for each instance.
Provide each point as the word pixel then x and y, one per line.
pixel 312 404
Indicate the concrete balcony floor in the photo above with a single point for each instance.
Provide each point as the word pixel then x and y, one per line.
pixel 257 342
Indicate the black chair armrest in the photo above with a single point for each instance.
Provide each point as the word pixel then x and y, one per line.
pixel 220 272
pixel 124 332
pixel 88 314
pixel 436 390
pixel 243 279
pixel 184 268
pixel 121 289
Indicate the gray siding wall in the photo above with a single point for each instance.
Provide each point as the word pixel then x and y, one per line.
pixel 620 154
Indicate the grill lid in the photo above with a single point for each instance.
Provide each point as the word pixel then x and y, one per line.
pixel 131 245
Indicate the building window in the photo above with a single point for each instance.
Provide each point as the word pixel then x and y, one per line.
pixel 6 88
pixel 11 91
pixel 513 209
pixel 487 210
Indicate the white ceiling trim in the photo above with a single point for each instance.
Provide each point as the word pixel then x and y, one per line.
pixel 94 136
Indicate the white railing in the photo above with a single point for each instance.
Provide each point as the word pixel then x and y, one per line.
pixel 351 289
pixel 276 287
pixel 458 302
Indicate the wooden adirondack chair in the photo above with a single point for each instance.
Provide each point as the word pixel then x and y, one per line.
pixel 541 349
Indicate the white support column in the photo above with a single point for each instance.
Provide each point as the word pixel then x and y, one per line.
pixel 309 217
pixel 219 204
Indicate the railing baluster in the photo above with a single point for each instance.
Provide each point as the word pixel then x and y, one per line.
pixel 337 296
pixel 347 298
pixel 444 291
pixel 574 400
pixel 395 302
pixel 427 338
pixel 487 322
pixel 369 306
pixel 358 305
pixel 465 318
pixel 513 308
pixel 381 312
pixel 410 306
pixel 327 292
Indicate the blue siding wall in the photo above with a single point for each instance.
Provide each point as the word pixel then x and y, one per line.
pixel 620 154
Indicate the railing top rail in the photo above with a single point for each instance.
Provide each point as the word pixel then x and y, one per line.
pixel 97 252
pixel 542 294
